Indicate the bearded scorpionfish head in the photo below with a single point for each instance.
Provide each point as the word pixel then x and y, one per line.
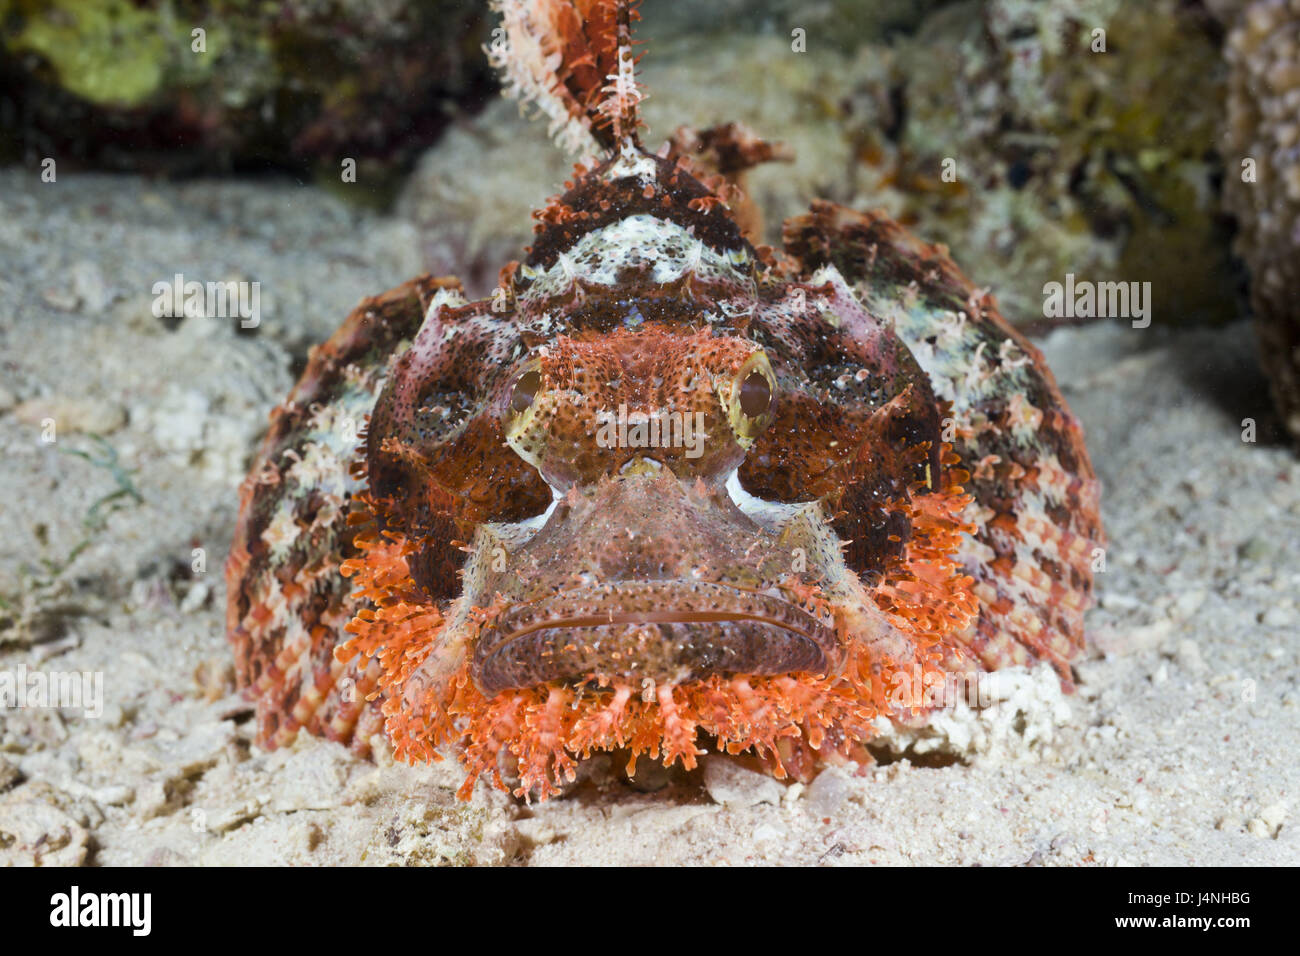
pixel 662 491
pixel 652 488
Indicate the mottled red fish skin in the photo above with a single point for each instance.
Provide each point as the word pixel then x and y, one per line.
pixel 860 473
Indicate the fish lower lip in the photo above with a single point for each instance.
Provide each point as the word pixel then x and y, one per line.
pixel 655 629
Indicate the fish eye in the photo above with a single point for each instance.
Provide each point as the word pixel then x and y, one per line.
pixel 752 392
pixel 755 394
pixel 525 390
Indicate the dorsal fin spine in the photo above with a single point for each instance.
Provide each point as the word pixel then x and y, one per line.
pixel 573 60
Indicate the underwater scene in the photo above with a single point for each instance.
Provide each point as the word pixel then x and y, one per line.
pixel 591 432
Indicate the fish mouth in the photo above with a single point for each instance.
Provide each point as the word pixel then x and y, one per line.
pixel 670 630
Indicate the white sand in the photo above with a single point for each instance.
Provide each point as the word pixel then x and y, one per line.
pixel 1180 746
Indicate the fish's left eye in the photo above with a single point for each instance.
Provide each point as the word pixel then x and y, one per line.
pixel 755 394
pixel 525 390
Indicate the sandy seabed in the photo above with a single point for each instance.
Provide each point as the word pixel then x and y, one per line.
pixel 1179 746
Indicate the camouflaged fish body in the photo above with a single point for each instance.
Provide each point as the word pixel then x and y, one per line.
pixel 664 491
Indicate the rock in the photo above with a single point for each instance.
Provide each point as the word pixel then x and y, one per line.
pixel 734 786
pixel 1069 160
pixel 215 677
pixel 114 795
pixel 1279 615
pixel 155 798
pixel 1273 815
pixel 1262 184
pixel 1188 603
pixel 1268 823
pixel 195 597
pixel 1189 657
pixel 10 776
pixel 54 648
pixel 1256 550
pixel 826 793
pixel 296 84
pixel 198 431
pixel 315 777
pixel 198 750
pixel 60 297
pixel 1115 601
pixel 36 833
pixel 1148 636
pixel 71 415
pixel 766 832
pixel 441 832
pixel 178 420
pixel 89 288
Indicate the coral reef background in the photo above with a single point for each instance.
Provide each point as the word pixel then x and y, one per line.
pixel 1263 129
pixel 1099 163
pixel 236 85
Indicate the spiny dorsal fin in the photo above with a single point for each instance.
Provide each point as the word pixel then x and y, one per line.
pixel 573 59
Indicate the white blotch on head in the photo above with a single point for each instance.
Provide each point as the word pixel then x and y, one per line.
pixel 668 249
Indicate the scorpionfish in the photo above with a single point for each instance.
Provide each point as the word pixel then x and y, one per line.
pixel 665 491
